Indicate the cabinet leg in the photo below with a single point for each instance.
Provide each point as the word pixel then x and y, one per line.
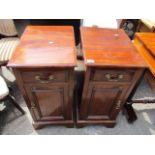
pixel 130 113
pixel 37 126
pixel 70 125
pixel 79 125
pixel 110 125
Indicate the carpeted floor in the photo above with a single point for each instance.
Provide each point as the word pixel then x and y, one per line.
pixel 13 123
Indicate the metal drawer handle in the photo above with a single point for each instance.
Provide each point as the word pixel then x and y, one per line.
pixel 114 78
pixel 51 77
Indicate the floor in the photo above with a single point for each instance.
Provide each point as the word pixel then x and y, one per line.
pixel 16 124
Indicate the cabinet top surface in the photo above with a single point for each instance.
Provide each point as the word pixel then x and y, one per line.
pixel 109 47
pixel 45 46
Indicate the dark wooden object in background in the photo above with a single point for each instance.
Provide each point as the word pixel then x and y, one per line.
pixel 43 64
pixel 150 79
pixel 146 25
pixel 21 23
pixel 145 45
pixel 113 67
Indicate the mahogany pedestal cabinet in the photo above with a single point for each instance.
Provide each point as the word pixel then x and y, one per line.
pixel 113 68
pixel 43 64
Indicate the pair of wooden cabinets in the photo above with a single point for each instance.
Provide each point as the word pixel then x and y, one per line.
pixel 44 63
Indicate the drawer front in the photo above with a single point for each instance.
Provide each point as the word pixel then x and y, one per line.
pixel 112 75
pixel 44 76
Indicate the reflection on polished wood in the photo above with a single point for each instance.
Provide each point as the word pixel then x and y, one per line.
pixel 109 47
pixel 42 46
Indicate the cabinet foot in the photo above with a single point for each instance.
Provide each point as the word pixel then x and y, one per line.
pixel 37 126
pixel 70 125
pixel 110 125
pixel 130 113
pixel 80 125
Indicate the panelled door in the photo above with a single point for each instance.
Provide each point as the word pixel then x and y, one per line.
pixel 102 101
pixel 49 102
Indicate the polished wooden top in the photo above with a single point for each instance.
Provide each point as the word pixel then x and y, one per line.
pixel 109 47
pixel 148 40
pixel 45 46
pixel 145 44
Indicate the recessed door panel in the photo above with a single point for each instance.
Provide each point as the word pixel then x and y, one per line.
pixel 48 102
pixel 103 101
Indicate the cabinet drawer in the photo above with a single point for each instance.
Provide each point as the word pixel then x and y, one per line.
pixel 44 76
pixel 112 75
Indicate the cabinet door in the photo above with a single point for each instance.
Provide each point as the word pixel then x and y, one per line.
pixel 49 102
pixel 102 101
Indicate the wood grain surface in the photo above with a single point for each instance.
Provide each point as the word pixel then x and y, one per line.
pixel 109 47
pixel 45 46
